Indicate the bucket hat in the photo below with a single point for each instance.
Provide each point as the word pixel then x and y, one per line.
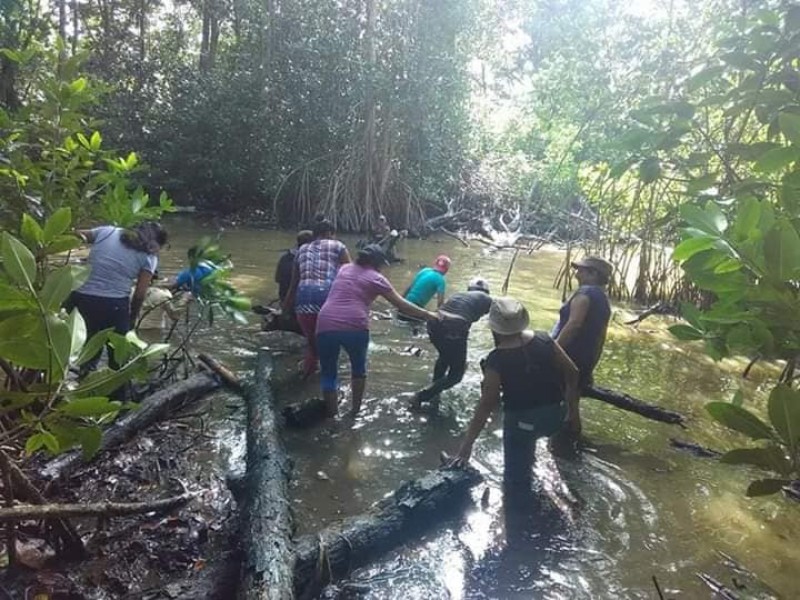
pixel 508 316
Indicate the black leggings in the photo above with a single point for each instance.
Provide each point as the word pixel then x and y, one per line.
pixel 451 363
pixel 101 313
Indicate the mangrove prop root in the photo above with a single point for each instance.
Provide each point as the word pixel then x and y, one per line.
pixel 224 373
pixel 266 524
pixel 416 506
pixel 631 404
pixel 92 509
pixel 151 410
pixel 71 542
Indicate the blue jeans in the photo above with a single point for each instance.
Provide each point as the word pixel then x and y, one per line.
pixel 355 343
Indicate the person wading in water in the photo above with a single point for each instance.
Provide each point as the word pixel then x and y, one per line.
pixel 450 336
pixel 538 383
pixel 583 322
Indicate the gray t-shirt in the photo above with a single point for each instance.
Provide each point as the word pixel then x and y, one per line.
pixel 115 267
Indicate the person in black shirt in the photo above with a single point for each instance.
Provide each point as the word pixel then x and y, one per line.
pixel 449 337
pixel 539 386
pixel 283 272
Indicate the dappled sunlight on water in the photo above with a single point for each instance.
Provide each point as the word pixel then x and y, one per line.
pixel 628 508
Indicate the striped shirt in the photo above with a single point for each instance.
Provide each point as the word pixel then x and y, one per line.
pixel 317 262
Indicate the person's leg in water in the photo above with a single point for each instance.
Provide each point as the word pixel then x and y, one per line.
pixel 356 344
pixel 308 325
pixel 329 343
pixel 448 371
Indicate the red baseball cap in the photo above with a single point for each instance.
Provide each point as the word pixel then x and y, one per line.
pixel 442 263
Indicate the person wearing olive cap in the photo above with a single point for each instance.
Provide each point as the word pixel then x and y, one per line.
pixel 450 336
pixel 583 321
pixel 536 382
pixel 343 322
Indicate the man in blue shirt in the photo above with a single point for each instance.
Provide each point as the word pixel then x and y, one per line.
pixel 190 279
pixel 427 283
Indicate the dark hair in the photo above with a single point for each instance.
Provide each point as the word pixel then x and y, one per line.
pixel 191 253
pixel 305 236
pixel 364 260
pixel 146 237
pixel 322 227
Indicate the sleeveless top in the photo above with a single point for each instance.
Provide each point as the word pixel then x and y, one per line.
pixel 584 348
pixel 529 377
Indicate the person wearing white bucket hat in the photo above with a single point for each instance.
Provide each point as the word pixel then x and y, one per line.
pixel 536 381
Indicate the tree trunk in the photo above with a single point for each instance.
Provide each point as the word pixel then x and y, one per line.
pixel 205 38
pixel 75 26
pixel 631 404
pixel 266 527
pixel 414 508
pixel 151 410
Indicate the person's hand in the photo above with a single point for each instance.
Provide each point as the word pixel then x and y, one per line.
pixel 461 459
pixel 433 316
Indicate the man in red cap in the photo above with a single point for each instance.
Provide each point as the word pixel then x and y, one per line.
pixel 429 282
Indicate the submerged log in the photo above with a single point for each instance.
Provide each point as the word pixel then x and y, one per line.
pixel 416 506
pixel 151 410
pixel 631 404
pixel 266 526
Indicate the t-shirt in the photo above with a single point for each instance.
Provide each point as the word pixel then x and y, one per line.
pixel 114 266
pixel 317 262
pixel 189 279
pixel 528 374
pixel 427 283
pixel 352 293
pixel 584 349
pixel 283 272
pixel 469 306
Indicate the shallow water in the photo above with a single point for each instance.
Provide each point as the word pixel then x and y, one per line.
pixel 641 508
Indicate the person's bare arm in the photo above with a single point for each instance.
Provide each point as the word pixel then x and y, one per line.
pixel 407 308
pixel 139 292
pixel 344 257
pixel 490 398
pixel 578 310
pixel 570 374
pixel 288 301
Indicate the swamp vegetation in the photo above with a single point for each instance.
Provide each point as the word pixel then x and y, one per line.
pixel 663 136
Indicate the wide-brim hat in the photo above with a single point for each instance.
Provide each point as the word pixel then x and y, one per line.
pixel 508 316
pixel 599 264
pixel 375 254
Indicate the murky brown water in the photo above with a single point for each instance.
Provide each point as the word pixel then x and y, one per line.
pixel 645 508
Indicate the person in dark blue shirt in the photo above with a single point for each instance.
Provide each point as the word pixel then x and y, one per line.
pixel 583 322
pixel 189 279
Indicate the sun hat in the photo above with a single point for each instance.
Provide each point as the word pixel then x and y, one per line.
pixel 508 316
pixel 598 264
pixel 375 254
pixel 442 263
pixel 478 284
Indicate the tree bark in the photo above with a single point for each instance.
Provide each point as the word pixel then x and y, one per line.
pixel 415 507
pixel 631 404
pixel 91 509
pixel 151 410
pixel 266 528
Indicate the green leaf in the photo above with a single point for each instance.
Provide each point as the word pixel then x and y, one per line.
pixel 93 346
pixel 738 398
pixel 57 224
pixel 782 251
pixel 789 124
pixel 18 261
pixel 77 328
pixel 765 487
pixel 33 443
pixel 13 300
pixel 691 246
pixel 710 219
pixel 649 170
pixel 31 232
pixel 739 419
pixel 95 141
pixel 91 406
pixel 50 442
pixel 691 314
pixel 78 85
pixel 63 243
pixel 103 381
pixel 686 332
pixel 784 414
pixel 60 283
pixel 701 184
pixel 23 341
pixel 90 439
pixel 61 345
pixel 771 458
pixel 776 159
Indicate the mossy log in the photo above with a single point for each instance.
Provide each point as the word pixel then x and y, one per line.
pixel 415 507
pixel 634 405
pixel 266 522
pixel 152 409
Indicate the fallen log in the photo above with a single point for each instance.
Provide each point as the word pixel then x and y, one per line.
pixel 631 404
pixel 693 448
pixel 151 410
pixel 266 525
pixel 24 512
pixel 223 372
pixel 416 506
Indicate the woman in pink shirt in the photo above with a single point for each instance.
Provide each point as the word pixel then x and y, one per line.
pixel 343 322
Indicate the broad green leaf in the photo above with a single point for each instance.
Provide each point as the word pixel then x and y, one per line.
pixel 789 124
pixel 728 265
pixel 33 443
pixel 61 340
pixel 13 299
pixel 710 219
pixel 771 458
pixel 90 439
pixel 691 246
pixel 57 224
pixel 784 414
pixel 50 442
pixel 691 313
pixel 776 159
pixel 738 398
pixel 649 170
pixel 782 251
pixel 91 406
pixel 23 341
pixel 58 286
pixel 686 332
pixel 765 487
pixel 93 346
pixel 30 231
pixel 701 184
pixel 63 243
pixel 739 419
pixel 104 381
pixel 748 215
pixel 18 261
pixel 95 141
pixel 704 77
pixel 77 327
pixel 78 85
